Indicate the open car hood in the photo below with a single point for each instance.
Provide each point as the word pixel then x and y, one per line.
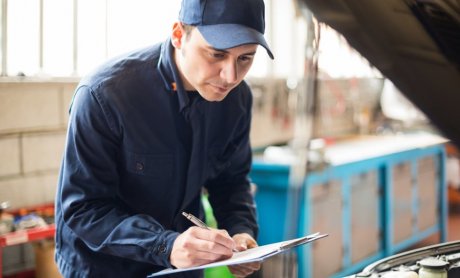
pixel 414 43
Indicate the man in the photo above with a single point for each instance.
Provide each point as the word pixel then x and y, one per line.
pixel 147 131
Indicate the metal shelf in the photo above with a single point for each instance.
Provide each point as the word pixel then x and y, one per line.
pixel 26 235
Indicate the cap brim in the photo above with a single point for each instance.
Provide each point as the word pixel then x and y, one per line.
pixel 224 36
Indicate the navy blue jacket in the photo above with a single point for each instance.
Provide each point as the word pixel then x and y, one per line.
pixel 138 153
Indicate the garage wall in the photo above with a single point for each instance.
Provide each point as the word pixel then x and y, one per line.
pixel 33 123
pixel 33 119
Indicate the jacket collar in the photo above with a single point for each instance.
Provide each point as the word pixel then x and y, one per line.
pixel 170 74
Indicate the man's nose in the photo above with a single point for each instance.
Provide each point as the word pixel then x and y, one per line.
pixel 229 72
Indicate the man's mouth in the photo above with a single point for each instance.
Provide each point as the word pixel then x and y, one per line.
pixel 221 89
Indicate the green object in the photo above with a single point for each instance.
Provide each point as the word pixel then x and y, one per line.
pixel 210 220
pixel 215 272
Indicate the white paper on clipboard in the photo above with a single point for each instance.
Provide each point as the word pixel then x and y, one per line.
pixel 251 255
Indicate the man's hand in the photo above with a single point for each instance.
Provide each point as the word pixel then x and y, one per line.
pixel 244 241
pixel 198 246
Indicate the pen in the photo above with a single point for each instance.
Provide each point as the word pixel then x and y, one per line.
pixel 195 220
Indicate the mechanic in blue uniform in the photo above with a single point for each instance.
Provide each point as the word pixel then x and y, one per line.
pixel 147 132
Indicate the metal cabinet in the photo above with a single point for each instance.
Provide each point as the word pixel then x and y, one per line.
pixel 401 195
pixel 370 208
pixel 416 198
pixel 427 200
pixel 364 206
pixel 326 210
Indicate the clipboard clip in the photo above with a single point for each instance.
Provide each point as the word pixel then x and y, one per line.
pixel 301 241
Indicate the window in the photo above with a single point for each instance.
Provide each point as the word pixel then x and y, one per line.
pixel 22 38
pixel 71 37
pixel 339 60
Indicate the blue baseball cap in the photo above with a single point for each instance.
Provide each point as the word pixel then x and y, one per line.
pixel 227 23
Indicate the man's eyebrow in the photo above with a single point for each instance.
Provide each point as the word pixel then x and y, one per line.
pixel 252 53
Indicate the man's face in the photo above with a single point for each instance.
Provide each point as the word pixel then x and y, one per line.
pixel 212 72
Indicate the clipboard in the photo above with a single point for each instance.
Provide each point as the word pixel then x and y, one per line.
pixel 256 254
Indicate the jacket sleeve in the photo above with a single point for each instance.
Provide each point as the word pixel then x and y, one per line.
pixel 230 193
pixel 89 184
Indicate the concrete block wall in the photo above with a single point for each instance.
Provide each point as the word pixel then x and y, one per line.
pixel 33 122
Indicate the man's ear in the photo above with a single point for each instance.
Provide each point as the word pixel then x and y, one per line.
pixel 177 34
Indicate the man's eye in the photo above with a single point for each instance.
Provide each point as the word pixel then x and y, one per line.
pixel 246 58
